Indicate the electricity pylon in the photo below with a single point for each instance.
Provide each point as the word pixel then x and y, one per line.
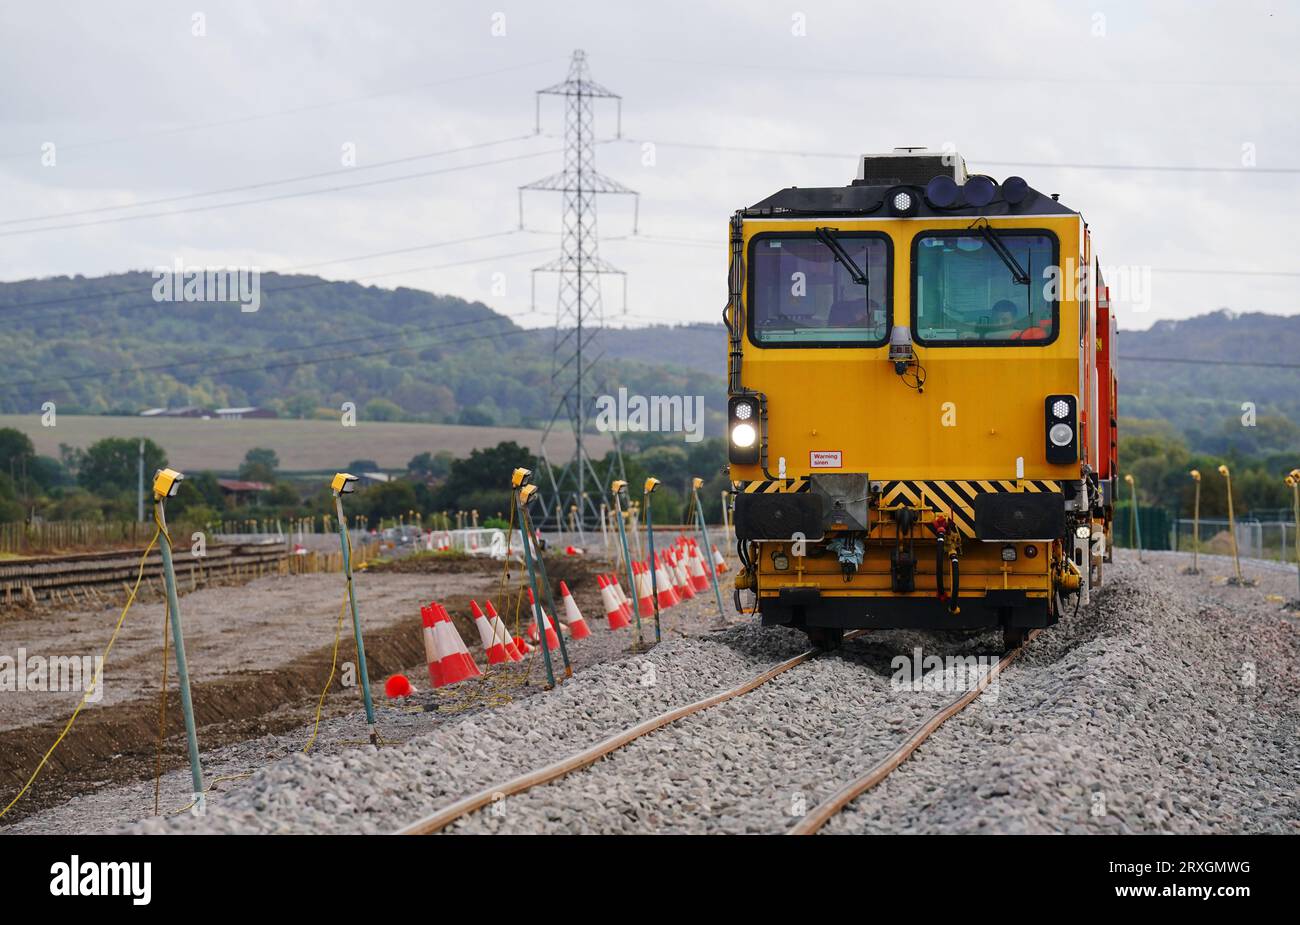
pixel 579 316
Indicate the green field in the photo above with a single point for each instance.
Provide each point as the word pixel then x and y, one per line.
pixel 303 445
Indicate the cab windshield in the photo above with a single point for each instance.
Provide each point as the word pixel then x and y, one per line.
pixel 801 295
pixel 965 291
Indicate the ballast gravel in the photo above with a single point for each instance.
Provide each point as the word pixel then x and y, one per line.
pixel 1170 705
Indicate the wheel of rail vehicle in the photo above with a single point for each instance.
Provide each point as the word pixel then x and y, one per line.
pixel 1013 636
pixel 825 638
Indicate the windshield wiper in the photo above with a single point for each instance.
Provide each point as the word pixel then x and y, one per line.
pixel 827 237
pixel 1018 273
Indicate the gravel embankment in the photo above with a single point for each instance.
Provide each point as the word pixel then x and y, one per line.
pixel 1169 706
pixel 482 730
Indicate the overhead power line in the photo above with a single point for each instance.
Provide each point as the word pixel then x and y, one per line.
pixel 329 282
pixel 1019 78
pixel 91 296
pixel 282 196
pixel 290 111
pixel 842 155
pixel 265 183
pixel 1260 364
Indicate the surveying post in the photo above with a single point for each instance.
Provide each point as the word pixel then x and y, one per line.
pixel 344 484
pixel 165 484
pixel 1196 527
pixel 1135 528
pixel 1293 482
pixel 617 488
pixel 524 493
pixel 604 531
pixel 544 580
pixel 696 485
pixel 1232 530
pixel 650 485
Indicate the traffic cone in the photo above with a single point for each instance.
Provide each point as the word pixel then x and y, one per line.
pixel 681 581
pixel 621 596
pixel 500 632
pixel 430 645
pixel 572 616
pixel 522 645
pixel 613 607
pixel 454 661
pixel 664 585
pixel 719 563
pixel 644 592
pixel 494 646
pixel 552 640
pixel 695 569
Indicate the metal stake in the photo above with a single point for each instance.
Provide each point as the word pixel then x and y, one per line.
pixel 708 553
pixel 651 485
pixel 356 619
pixel 617 492
pixel 178 643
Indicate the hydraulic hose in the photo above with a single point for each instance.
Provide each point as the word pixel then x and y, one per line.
pixel 938 568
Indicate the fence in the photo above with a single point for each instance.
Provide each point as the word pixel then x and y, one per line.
pixel 1256 539
pixel 1153 525
pixel 20 537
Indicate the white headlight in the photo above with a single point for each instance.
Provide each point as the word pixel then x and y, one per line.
pixel 1060 408
pixel 902 202
pixel 1061 434
pixel 743 435
pixel 743 411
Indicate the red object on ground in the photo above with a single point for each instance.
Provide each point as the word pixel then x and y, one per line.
pixel 397 686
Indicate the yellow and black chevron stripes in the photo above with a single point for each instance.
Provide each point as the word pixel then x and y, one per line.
pixel 774 486
pixel 956 498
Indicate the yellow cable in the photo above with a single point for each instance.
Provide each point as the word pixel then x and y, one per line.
pixel 93 681
pixel 334 660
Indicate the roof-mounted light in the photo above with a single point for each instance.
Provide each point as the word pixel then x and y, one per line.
pixel 1015 190
pixel 979 190
pixel 942 192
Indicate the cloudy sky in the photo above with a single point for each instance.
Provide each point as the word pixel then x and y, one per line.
pixel 239 116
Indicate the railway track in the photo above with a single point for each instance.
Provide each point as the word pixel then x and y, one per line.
pixel 88 576
pixel 809 824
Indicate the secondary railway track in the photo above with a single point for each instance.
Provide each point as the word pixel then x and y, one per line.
pixel 809 824
pixel 57 579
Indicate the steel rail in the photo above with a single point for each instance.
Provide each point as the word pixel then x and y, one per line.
pixel 439 820
pixel 96 570
pixel 825 810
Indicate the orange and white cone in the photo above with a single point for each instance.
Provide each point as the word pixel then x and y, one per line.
pixel 454 661
pixel 695 569
pixel 522 645
pixel 681 580
pixel 718 562
pixel 552 640
pixel 572 616
pixel 494 646
pixel 664 585
pixel 500 632
pixel 428 619
pixel 613 606
pixel 621 596
pixel 645 601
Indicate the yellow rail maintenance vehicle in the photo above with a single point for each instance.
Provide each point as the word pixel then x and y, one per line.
pixel 921 407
